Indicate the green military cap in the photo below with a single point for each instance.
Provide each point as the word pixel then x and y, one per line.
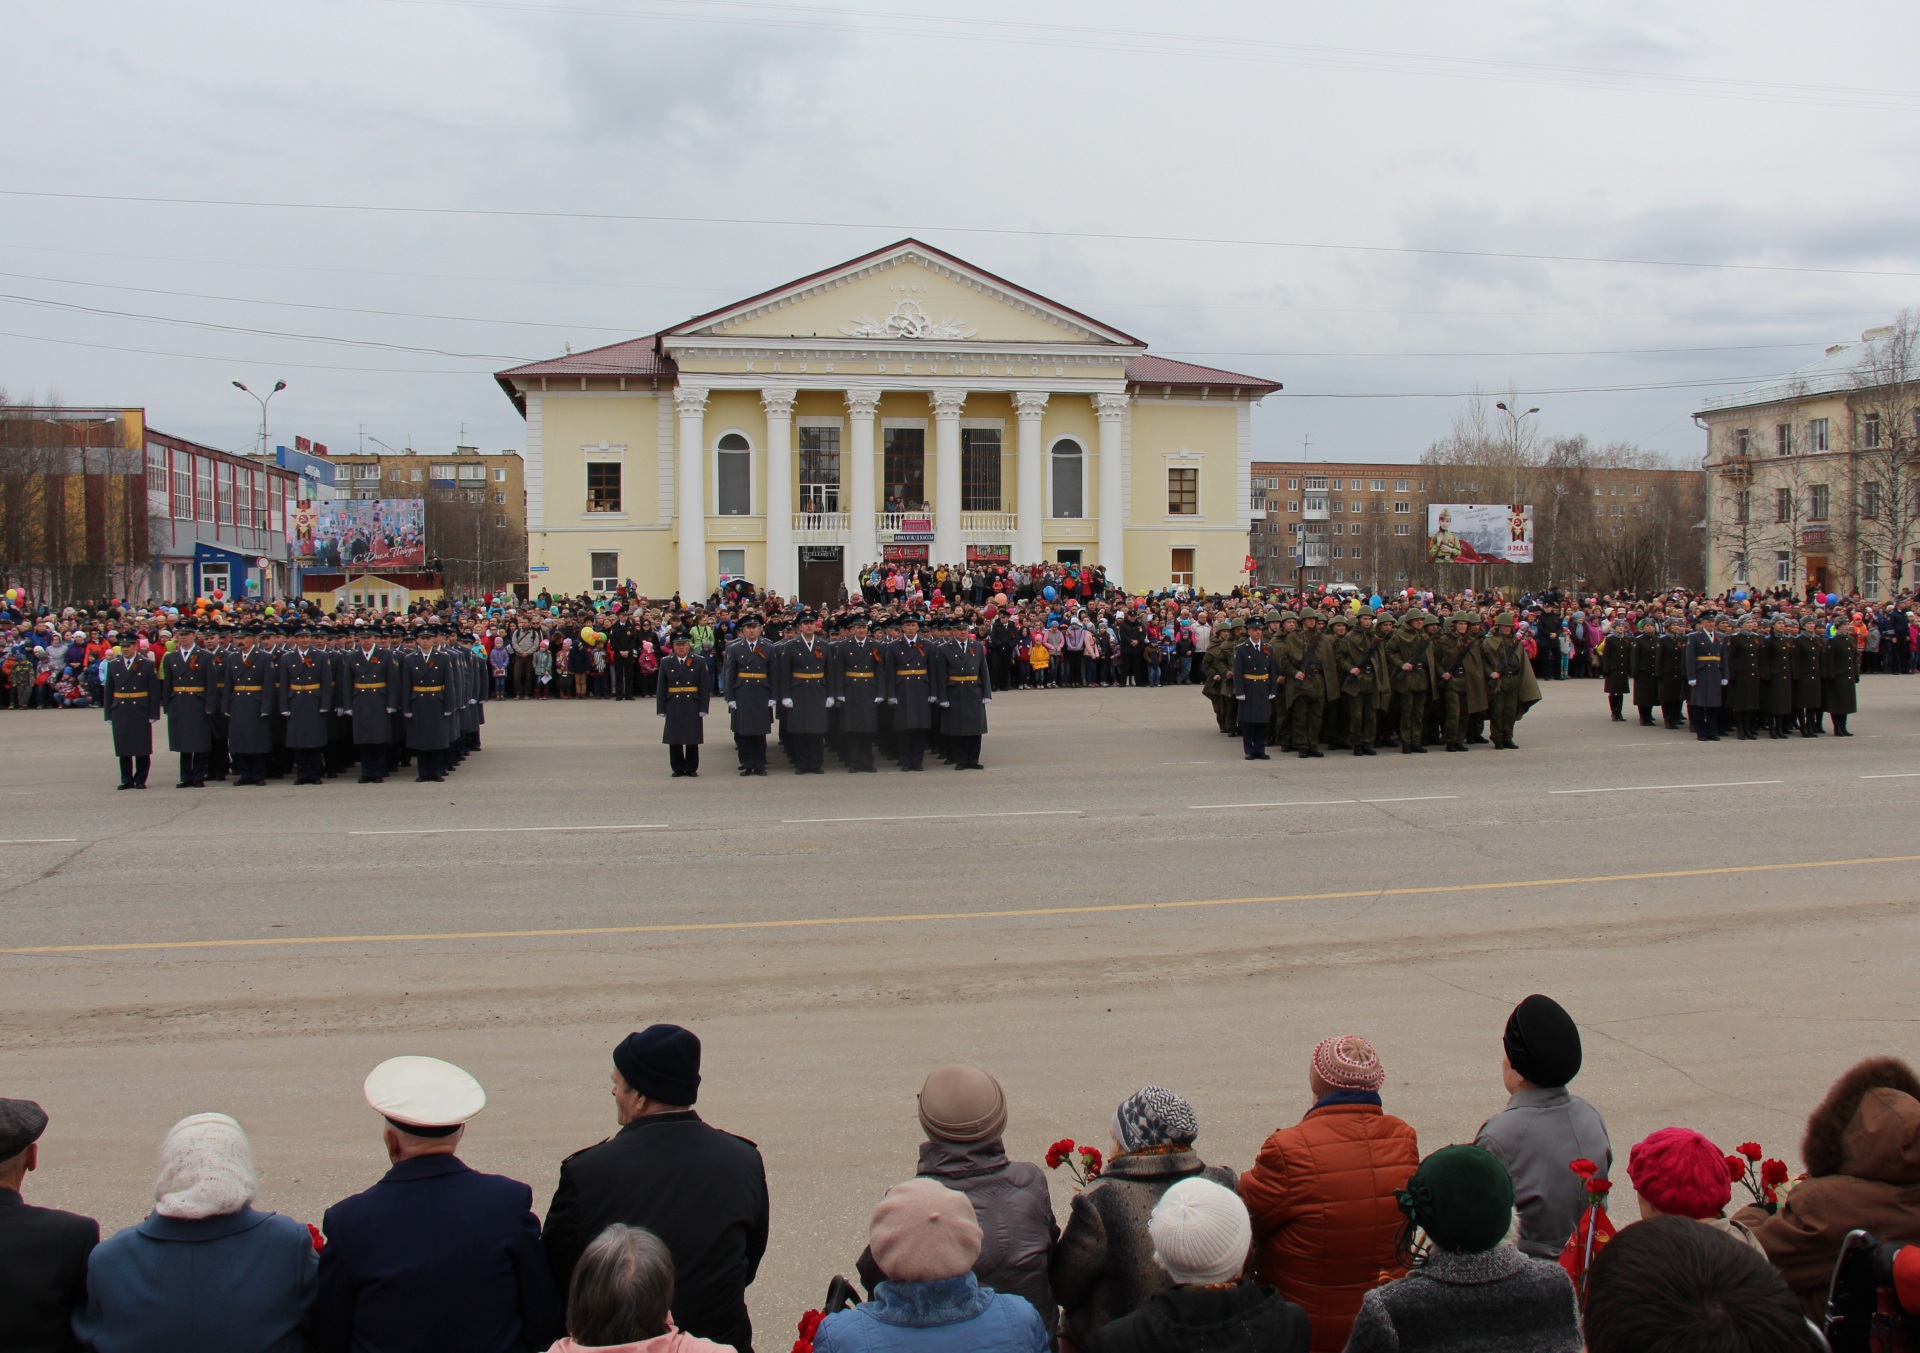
pixel 1504 620
pixel 1273 617
pixel 1340 618
pixel 1471 617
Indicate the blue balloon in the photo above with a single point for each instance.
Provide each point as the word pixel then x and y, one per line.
pixel 1048 593
pixel 1374 601
pixel 1740 595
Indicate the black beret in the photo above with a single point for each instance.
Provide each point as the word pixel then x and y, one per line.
pixel 1542 1042
pixel 21 1123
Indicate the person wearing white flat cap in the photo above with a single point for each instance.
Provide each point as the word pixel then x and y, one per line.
pixel 436 1255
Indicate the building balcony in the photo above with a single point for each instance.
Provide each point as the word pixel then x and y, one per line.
pixel 911 524
pixel 1736 469
pixel 988 528
pixel 822 528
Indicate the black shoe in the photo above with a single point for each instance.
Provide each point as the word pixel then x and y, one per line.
pixel 1369 750
pixel 1314 753
pixel 1477 737
pixel 184 784
pixel 1358 750
pixel 746 770
pixel 1456 746
pixel 1843 733
pixel 759 770
pixel 693 775
pixel 1420 749
pixel 139 784
pixel 1619 718
pixel 365 780
pixel 124 784
pixel 1646 723
pixel 1405 750
pixel 1262 757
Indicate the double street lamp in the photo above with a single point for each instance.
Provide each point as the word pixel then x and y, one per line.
pixel 1515 418
pixel 278 386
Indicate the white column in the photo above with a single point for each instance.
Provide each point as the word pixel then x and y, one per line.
pixel 690 480
pixel 1029 405
pixel 783 568
pixel 1112 413
pixel 946 476
pixel 863 546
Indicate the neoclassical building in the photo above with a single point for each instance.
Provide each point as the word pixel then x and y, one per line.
pixel 904 405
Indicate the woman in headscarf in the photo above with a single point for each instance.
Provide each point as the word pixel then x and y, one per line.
pixel 1104 1266
pixel 206 1269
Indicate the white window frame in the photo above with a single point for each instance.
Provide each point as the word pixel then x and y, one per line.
pixel 1403 528
pixel 1053 446
pixel 1403 508
pixel 755 494
pixel 601 582
pixel 1293 486
pixel 1817 436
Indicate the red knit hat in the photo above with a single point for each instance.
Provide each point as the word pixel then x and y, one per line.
pixel 1348 1063
pixel 1681 1173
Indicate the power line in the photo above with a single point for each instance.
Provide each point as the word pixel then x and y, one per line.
pixel 913 228
pixel 255 360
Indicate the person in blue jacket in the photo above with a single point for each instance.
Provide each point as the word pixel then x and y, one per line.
pixel 435 1256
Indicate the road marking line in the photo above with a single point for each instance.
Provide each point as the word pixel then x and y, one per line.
pixel 821 922
pixel 448 831
pixel 1285 803
pixel 41 841
pixel 1412 798
pixel 1898 775
pixel 1636 789
pixel 933 817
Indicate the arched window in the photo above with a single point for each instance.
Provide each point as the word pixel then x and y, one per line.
pixel 733 483
pixel 1069 478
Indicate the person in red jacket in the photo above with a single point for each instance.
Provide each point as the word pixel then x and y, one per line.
pixel 1321 1193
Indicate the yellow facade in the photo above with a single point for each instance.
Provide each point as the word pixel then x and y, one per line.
pixel 901 405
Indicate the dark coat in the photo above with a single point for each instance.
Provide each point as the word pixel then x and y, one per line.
pixel 1803 659
pixel 1840 673
pixel 249 701
pixel 701 1190
pixel 1646 670
pixel 132 705
pixel 682 697
pixel 910 683
pixel 372 694
pixel 1776 674
pixel 749 683
pixel 242 1283
pixel 1743 670
pixel 800 677
pixel 1104 1267
pixel 1706 657
pixel 1255 671
pixel 1246 1318
pixel 306 695
pixel 425 690
pixel 1672 667
pixel 1015 1212
pixel 1410 648
pixel 43 1274
pixel 190 691
pixel 435 1256
pixel 857 673
pixel 963 687
pixel 1616 664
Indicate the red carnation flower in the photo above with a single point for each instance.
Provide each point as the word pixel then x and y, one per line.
pixel 320 1241
pixel 1093 1162
pixel 1736 1169
pixel 1057 1153
pixel 1751 1150
pixel 1773 1173
pixel 1599 1186
pixel 1583 1167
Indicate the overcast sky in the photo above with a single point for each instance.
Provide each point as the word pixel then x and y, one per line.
pixel 1306 193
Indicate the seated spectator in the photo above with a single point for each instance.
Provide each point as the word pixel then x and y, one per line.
pixel 925 1238
pixel 963 1112
pixel 1669 1286
pixel 43 1251
pixel 1678 1173
pixel 1469 1290
pixel 1103 1268
pixel 1322 1192
pixel 205 1270
pixel 1544 1126
pixel 1201 1237
pixel 621 1295
pixel 1862 1150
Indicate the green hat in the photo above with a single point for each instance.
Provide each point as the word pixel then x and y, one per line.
pixel 1471 617
pixel 1420 615
pixel 1462 1197
pixel 1504 620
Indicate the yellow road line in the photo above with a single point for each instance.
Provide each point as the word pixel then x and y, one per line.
pixel 809 922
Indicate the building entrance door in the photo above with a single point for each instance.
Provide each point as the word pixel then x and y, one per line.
pixel 820 574
pixel 1817 573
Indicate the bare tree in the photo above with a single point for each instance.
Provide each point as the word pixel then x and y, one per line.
pixel 73 517
pixel 478 544
pixel 1885 405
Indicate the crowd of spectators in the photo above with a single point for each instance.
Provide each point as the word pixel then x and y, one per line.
pixel 1340 1234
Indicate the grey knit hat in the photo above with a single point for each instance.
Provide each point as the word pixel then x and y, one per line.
pixel 1153 1116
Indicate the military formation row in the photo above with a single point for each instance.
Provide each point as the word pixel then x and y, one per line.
pixel 1368 679
pixel 851 693
pixel 265 702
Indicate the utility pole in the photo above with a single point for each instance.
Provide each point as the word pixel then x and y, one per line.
pixel 278 386
pixel 1514 420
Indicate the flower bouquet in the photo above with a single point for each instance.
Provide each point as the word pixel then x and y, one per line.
pixel 1760 1175
pixel 1082 1162
pixel 1592 1232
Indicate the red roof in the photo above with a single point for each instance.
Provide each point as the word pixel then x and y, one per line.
pixel 1151 370
pixel 634 357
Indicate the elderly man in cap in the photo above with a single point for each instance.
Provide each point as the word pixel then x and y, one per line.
pixel 1544 1127
pixel 701 1190
pixel 436 1255
pixel 43 1251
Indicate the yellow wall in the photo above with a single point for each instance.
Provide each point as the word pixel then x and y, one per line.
pixel 570 424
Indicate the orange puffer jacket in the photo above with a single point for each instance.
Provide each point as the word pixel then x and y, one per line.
pixel 1325 1222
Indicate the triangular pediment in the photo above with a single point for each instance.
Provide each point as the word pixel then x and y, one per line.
pixel 909 293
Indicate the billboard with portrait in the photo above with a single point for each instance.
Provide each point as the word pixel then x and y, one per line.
pixel 369 534
pixel 1480 533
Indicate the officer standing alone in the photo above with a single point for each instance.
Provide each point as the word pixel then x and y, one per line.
pixel 685 691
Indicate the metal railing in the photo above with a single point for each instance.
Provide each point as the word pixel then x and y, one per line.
pixel 989 523
pixel 820 523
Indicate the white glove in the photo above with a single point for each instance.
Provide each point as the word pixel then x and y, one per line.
pixel 286 714
pixel 893 700
pixel 829 702
pixel 731 705
pixel 932 701
pixel 1239 697
pixel 946 704
pixel 786 702
pixel 406 716
pixel 878 701
pixel 389 709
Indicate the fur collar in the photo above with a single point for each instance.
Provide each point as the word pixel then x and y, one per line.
pixel 1824 1147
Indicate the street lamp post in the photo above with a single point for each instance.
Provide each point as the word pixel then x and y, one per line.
pixel 278 386
pixel 1514 420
